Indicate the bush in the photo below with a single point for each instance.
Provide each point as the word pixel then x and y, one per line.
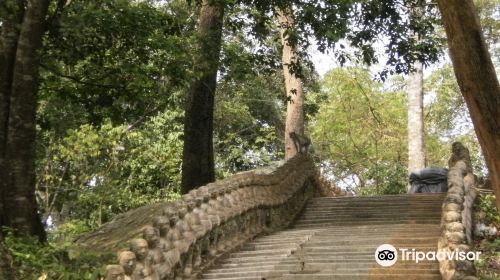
pixel 488 210
pixel 35 261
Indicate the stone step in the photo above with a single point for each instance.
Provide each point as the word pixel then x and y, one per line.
pixel 364 215
pixel 313 273
pixel 406 243
pixel 339 277
pixel 336 238
pixel 405 228
pixel 320 264
pixel 263 267
pixel 359 248
pixel 267 258
pixel 310 211
pixel 286 242
pixel 364 200
pixel 267 246
pixel 237 274
pixel 353 270
pixel 283 237
pixel 361 213
pixel 359 276
pixel 397 197
pixel 271 252
pixel 420 232
pixel 287 233
pixel 351 223
pixel 349 262
pixel 248 265
pixel 280 238
pixel 374 208
pixel 323 264
pixel 240 278
pixel 347 251
pixel 332 220
pixel 365 203
pixel 384 205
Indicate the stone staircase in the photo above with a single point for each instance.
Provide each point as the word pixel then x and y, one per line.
pixel 336 238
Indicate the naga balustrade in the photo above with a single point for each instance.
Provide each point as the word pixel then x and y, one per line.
pixel 456 218
pixel 215 219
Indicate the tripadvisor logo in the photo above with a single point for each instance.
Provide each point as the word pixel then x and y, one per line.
pixel 386 255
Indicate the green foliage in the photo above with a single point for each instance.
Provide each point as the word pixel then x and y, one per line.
pixel 486 206
pixel 446 111
pixel 360 132
pixel 393 180
pixel 488 12
pixel 488 264
pixel 58 262
pixel 100 171
pixel 251 100
pixel 68 231
pixel 447 120
pixel 113 59
pixel 333 25
pixel 248 118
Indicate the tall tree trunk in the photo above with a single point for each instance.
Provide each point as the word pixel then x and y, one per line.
pixel 416 153
pixel 293 83
pixel 198 154
pixel 18 188
pixel 416 150
pixel 8 47
pixel 477 79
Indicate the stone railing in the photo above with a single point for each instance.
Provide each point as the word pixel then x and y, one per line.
pixel 456 219
pixel 215 219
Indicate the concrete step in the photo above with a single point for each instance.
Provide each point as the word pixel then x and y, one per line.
pixel 361 265
pixel 250 259
pixel 405 243
pixel 351 223
pixel 251 273
pixel 359 276
pixel 272 252
pixel 365 221
pixel 336 238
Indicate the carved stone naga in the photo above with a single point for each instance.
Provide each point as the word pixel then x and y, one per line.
pixel 209 221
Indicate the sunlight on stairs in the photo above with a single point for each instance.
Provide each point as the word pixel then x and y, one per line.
pixel 336 238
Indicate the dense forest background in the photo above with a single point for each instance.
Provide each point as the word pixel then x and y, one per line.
pixel 114 76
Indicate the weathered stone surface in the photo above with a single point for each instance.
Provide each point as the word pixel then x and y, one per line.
pixel 336 237
pixel 454 226
pixel 184 236
pixel 188 235
pixel 114 272
pixel 456 221
pixel 128 261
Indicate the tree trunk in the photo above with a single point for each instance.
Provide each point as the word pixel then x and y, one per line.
pixel 8 46
pixel 416 153
pixel 293 84
pixel 477 79
pixel 198 154
pixel 18 188
pixel 416 150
